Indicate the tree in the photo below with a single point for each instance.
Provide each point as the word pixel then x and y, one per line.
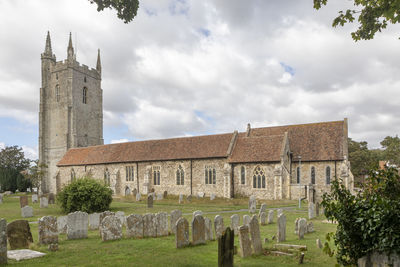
pixel 373 16
pixel 126 9
pixel 391 147
pixel 12 164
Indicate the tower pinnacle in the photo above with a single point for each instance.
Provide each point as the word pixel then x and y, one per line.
pixel 98 65
pixel 47 49
pixel 70 49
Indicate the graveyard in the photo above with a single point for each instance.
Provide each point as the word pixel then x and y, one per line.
pixel 129 250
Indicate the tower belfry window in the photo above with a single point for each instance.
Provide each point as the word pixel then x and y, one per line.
pixel 84 79
pixel 84 95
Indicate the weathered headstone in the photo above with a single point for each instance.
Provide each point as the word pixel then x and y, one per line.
pixel 3 241
pixel 138 196
pixel 175 215
pixel 162 224
pixel 1 198
pixel 52 199
pixel 134 226
pixel 296 226
pixel 159 196
pixel 165 194
pixel 180 198
pixel 104 214
pixel 27 212
pixel 23 201
pixel 19 234
pixel 263 208
pixel 226 248
pixel 279 212
pixel 244 241
pixel 281 234
pixel 319 243
pixel 218 225
pixel 246 219
pixel 270 217
pixel 94 221
pixel 310 227
pixel 134 192
pixel 252 204
pixel 198 230
pixel 189 198
pixel 212 196
pixel 263 218
pixel 317 209
pixel 182 233
pixel 48 232
pixel 197 212
pixel 44 202
pixel 235 223
pixel 77 225
pixel 35 198
pixel 121 216
pixel 302 224
pixel 254 228
pixel 149 225
pixel 62 224
pixel 311 210
pixel 208 229
pixel 150 201
pixel 110 228
pixel 201 194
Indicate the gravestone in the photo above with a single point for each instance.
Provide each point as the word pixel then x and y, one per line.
pixel 165 194
pixel 52 199
pixel 180 198
pixel 24 254
pixel 197 212
pixel 1 198
pixel 319 243
pixel 208 229
pixel 317 209
pixel 3 241
pixel 198 230
pixel 134 226
pixel 77 225
pixel 311 210
pixel 149 225
pixel 252 204
pixel 23 201
pixel 226 248
pixel 19 234
pixel 244 241
pixel 263 208
pixel 121 216
pixel 138 196
pixel 182 233
pixel 255 235
pixel 159 196
pixel 27 212
pixel 162 224
pixel 246 219
pixel 35 198
pixel 189 198
pixel 150 201
pixel 212 196
pixel 48 232
pixel 263 218
pixel 279 212
pixel 235 223
pixel 270 217
pixel 44 202
pixel 201 194
pixel 110 228
pixel 127 191
pixel 218 226
pixel 302 227
pixel 281 234
pixel 134 192
pixel 296 226
pixel 175 215
pixel 62 224
pixel 310 227
pixel 94 221
pixel 104 214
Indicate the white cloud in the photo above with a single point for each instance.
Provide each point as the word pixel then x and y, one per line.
pixel 123 140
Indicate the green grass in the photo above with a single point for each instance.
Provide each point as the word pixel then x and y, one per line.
pixel 161 251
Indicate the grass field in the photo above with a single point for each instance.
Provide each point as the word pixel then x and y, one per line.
pixel 161 251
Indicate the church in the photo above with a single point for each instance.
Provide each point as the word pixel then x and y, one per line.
pixel 280 162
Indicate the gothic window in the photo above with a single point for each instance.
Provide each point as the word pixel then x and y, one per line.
pixel 313 175
pixel 298 175
pixel 73 175
pixel 259 178
pixel 84 95
pixel 84 79
pixel 129 173
pixel 57 93
pixel 210 175
pixel 156 175
pixel 107 180
pixel 328 175
pixel 242 175
pixel 56 76
pixel 180 176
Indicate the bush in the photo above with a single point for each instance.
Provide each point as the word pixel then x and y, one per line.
pixel 368 221
pixel 85 194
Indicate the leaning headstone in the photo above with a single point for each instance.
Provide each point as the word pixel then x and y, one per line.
pixel 52 199
pixel 255 235
pixel 263 208
pixel 208 229
pixel 212 196
pixel 149 225
pixel 121 216
pixel 302 225
pixel 159 196
pixel 252 204
pixel 182 233
pixel 23 201
pixel 197 212
pixel 310 227
pixel 62 224
pixel 175 215
pixel 263 218
pixel 162 224
pixel 48 232
pixel 311 210
pixel 134 226
pixel 235 223
pixel 3 241
pixel 34 198
pixel 244 241
pixel 138 196
pixel 19 234
pixel 270 217
pixel 317 209
pixel 279 212
pixel 44 202
pixel 246 219
pixel 218 226
pixel 105 214
pixel 201 194
pixel 198 230
pixel 110 228
pixel 319 243
pixel 281 234
pixel 226 248
pixel 189 198
pixel 77 225
pixel 165 194
pixel 134 192
pixel 180 198
pixel 94 221
pixel 150 201
pixel 27 212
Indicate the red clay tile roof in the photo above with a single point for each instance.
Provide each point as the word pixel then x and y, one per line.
pixel 198 147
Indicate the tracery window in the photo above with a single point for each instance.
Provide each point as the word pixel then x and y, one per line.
pixel 242 175
pixel 107 180
pixel 328 175
pixel 180 176
pixel 57 93
pixel 156 175
pixel 84 95
pixel 210 175
pixel 298 175
pixel 129 173
pixel 313 175
pixel 258 178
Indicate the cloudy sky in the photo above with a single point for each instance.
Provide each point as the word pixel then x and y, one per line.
pixel 195 67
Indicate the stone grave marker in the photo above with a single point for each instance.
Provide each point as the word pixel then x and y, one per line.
pixel 270 217
pixel 296 226
pixel 134 192
pixel 310 227
pixel 3 241
pixel 94 221
pixel 162 224
pixel 35 198
pixel 134 226
pixel 121 216
pixel 311 210
pixel 110 228
pixel 235 223
pixel 159 196
pixel 149 225
pixel 138 196
pixel 263 218
pixel 319 243
pixel 201 194
pixel 198 230
pixel 52 199
pixel 189 198
pixel 44 202
pixel 244 241
pixel 263 208
pixel 48 232
pixel 279 212
pixel 19 234
pixel 246 219
pixel 77 225
pixel 182 233
pixel 218 226
pixel 1 198
pixel 180 198
pixel 226 248
pixel 27 212
pixel 197 212
pixel 165 194
pixel 281 234
pixel 302 227
pixel 24 254
pixel 104 214
pixel 175 215
pixel 209 235
pixel 23 201
pixel 149 201
pixel 254 228
pixel 62 224
pixel 252 204
pixel 212 196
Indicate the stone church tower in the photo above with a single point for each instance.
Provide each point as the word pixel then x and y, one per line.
pixel 71 110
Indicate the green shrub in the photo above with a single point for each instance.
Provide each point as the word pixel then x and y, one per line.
pixel 85 194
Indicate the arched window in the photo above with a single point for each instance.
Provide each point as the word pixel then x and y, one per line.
pixel 242 175
pixel 107 177
pixel 328 175
pixel 210 175
pixel 57 93
pixel 298 175
pixel 180 176
pixel 259 178
pixel 84 95
pixel 156 175
pixel 129 173
pixel 313 175
pixel 73 175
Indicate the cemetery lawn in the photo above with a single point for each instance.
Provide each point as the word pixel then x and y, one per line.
pixel 161 251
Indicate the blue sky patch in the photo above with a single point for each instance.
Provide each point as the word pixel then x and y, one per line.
pixel 205 32
pixel 288 68
pixel 179 7
pixel 14 132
